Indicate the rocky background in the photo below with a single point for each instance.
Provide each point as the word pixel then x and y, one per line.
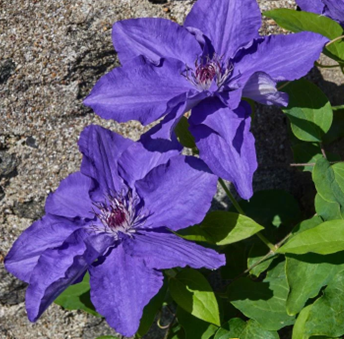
pixel 51 54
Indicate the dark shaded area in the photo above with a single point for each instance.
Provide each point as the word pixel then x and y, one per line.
pixel 29 209
pixel 158 1
pixel 8 165
pixel 31 142
pixel 12 290
pixel 6 70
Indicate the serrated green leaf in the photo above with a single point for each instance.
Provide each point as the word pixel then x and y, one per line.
pixel 309 111
pixel 191 291
pixel 238 328
pixel 324 318
pixel 150 311
pixel 77 297
pixel 272 208
pixel 264 301
pixel 296 21
pixel 326 238
pixel 307 274
pixel 183 134
pixel 194 327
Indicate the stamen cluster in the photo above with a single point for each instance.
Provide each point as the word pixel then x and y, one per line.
pixel 208 69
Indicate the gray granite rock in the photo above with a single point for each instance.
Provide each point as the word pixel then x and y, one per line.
pixel 52 53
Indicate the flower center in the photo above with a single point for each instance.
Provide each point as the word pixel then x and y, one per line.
pixel 207 70
pixel 119 213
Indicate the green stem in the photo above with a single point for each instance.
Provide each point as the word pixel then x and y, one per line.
pixel 231 198
pixel 337 108
pixel 266 242
pixel 326 66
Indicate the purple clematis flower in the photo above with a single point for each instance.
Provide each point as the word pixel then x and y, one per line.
pixel 113 218
pixel 333 9
pixel 207 65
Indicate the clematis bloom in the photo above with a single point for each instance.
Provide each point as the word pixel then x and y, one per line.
pixel 113 219
pixel 207 65
pixel 333 9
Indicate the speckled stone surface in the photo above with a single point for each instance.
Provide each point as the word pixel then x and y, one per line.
pixel 51 54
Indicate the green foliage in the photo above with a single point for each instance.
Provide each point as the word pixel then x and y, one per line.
pixel 191 291
pixel 303 21
pixel 309 111
pixel 307 274
pixel 326 316
pixel 263 301
pixel 326 238
pixel 194 327
pixel 238 328
pixel 183 134
pixel 77 297
pixel 222 228
pixel 329 182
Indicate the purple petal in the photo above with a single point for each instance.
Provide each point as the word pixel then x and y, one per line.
pixel 228 24
pixel 334 9
pixel 71 199
pixel 57 269
pixel 49 232
pixel 177 194
pixel 101 149
pixel 315 6
pixel 281 56
pixel 163 250
pixel 139 90
pixel 154 38
pixel 137 161
pixel 121 286
pixel 225 142
pixel 261 88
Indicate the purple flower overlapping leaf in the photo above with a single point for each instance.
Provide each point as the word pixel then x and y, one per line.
pixel 333 9
pixel 207 66
pixel 113 219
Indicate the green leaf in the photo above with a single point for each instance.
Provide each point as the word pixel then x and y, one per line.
pixel 307 274
pixel 326 316
pixel 329 183
pixel 223 228
pixel 191 291
pixel 309 111
pixel 306 152
pixel 183 134
pixel 257 252
pixel 194 327
pixel 307 224
pixel 264 301
pixel 77 297
pixel 272 207
pixel 296 21
pixel 326 238
pixel 238 328
pixel 150 311
pixel 337 129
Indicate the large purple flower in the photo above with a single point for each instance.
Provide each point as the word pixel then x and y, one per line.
pixel 334 9
pixel 113 218
pixel 207 65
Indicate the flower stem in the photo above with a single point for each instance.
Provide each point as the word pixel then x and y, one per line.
pixel 266 242
pixel 231 198
pixel 326 66
pixel 337 108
